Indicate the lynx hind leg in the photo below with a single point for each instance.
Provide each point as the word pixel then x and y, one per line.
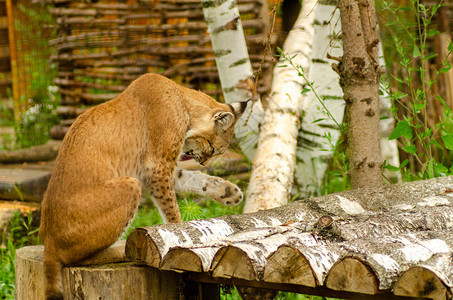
pixel 101 214
pixel 111 207
pixel 219 189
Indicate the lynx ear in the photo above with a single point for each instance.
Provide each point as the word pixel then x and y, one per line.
pixel 223 120
pixel 238 108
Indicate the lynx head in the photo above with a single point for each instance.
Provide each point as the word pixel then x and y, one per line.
pixel 214 136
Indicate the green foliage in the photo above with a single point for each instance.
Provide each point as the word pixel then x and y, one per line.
pixel 21 232
pixel 426 141
pixel 37 120
pixel 33 126
pixel 231 293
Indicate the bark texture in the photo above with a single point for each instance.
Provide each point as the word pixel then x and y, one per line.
pixel 273 166
pixel 44 152
pixel 106 276
pixel 319 132
pixel 233 64
pixel 360 73
pixel 363 241
pixel 361 244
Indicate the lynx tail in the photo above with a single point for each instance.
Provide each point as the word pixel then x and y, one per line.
pixel 53 272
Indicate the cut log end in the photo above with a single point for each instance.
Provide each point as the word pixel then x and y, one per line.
pixel 288 265
pixel 352 275
pixel 231 262
pixel 420 282
pixel 180 259
pixel 141 249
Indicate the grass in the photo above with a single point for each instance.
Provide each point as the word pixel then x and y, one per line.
pixel 22 231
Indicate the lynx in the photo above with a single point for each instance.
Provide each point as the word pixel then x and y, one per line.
pixel 114 151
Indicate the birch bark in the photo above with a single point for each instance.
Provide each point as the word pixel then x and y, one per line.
pixel 273 165
pixel 233 64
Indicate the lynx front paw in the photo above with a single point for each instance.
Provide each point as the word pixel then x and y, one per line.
pixel 223 191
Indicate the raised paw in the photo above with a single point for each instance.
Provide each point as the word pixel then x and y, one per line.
pixel 223 191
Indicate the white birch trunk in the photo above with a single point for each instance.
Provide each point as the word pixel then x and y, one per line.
pixel 316 148
pixel 318 138
pixel 273 165
pixel 234 67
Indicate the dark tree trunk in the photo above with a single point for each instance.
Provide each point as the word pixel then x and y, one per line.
pixel 359 78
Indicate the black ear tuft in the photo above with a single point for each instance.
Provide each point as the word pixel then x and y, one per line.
pixel 224 119
pixel 238 108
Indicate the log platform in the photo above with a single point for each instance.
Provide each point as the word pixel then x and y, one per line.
pixel 390 243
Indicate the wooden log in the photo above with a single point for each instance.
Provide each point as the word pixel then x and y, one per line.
pixel 302 260
pixel 89 98
pixel 182 260
pixel 246 256
pixel 389 256
pixel 373 249
pixel 69 111
pixel 25 184
pixel 373 263
pixel 105 281
pixel 58 132
pixel 44 152
pixel 29 273
pixel 351 274
pixel 149 245
pixel 76 83
pixel 431 279
pixel 288 265
pixel 144 50
pixel 242 267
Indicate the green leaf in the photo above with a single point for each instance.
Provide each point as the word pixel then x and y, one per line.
pixel 440 168
pixel 398 95
pixel 410 149
pixel 445 68
pixel 318 120
pixel 402 129
pixel 397 79
pixel 305 90
pixel 442 101
pixel 433 32
pixel 448 141
pixel 391 168
pixel 416 52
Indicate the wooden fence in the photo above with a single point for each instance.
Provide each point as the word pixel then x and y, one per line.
pixel 23 54
pixel 102 46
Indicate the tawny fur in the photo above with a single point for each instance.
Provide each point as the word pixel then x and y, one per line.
pixel 115 150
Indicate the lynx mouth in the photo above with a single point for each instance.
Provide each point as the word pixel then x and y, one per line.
pixel 185 157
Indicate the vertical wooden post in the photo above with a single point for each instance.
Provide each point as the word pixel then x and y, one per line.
pixel 13 54
pixel 201 291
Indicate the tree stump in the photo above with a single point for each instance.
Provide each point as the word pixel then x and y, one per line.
pixel 116 280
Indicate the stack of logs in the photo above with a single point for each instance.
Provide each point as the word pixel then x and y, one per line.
pixel 103 45
pixel 361 244
pixel 392 241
